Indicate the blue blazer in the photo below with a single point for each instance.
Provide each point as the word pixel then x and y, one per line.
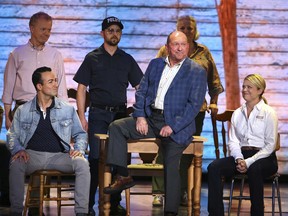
pixel 182 101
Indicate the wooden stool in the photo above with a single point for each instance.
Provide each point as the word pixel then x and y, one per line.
pixel 149 145
pixel 38 201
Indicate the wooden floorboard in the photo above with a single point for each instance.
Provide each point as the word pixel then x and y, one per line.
pixel 141 205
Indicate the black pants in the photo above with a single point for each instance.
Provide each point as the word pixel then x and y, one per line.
pixel 99 121
pixel 226 167
pixel 4 170
pixel 123 129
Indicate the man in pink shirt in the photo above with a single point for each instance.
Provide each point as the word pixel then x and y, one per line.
pixel 27 58
pixel 18 87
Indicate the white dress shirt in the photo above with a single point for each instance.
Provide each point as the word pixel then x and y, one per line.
pixel 166 79
pixel 259 130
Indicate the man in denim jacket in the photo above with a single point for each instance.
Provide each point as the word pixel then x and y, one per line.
pixel 39 138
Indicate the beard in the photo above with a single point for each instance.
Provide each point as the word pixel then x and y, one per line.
pixel 113 41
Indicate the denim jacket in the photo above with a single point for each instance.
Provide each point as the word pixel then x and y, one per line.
pixel 64 121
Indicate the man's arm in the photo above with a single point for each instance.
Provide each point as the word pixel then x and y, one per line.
pixel 80 100
pixel 13 134
pixel 7 109
pixel 9 83
pixel 60 72
pixel 79 136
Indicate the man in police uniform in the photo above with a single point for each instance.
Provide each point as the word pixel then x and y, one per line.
pixel 107 71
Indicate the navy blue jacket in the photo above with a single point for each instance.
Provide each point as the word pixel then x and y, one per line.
pixel 183 99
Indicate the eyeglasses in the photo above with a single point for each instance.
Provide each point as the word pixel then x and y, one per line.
pixel 112 31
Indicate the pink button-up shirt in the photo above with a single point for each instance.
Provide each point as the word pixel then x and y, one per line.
pixel 21 64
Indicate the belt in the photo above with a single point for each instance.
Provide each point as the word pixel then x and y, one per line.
pixel 250 148
pixel 120 108
pixel 20 102
pixel 158 111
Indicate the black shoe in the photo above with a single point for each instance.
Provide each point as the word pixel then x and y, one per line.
pixel 118 210
pixel 4 201
pixel 34 212
pixel 81 214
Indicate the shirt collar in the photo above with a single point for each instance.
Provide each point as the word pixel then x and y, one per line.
pixel 50 107
pixel 103 51
pixel 36 48
pixel 178 64
pixel 258 106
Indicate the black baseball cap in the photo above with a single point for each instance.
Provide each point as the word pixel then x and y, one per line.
pixel 111 21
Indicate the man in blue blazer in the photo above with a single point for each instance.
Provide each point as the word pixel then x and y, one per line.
pixel 170 96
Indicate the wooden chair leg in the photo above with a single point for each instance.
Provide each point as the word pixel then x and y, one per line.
pixel 41 195
pixel 27 199
pixel 127 196
pixel 190 187
pixel 59 181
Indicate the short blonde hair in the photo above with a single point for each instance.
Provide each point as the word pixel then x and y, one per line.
pixel 258 81
pixel 193 20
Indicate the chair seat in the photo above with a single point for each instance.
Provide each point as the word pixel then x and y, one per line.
pixel 145 166
pixel 51 173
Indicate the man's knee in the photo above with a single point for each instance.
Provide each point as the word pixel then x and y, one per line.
pixel 17 165
pixel 81 164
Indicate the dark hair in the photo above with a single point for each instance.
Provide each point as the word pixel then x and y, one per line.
pixel 37 16
pixel 37 77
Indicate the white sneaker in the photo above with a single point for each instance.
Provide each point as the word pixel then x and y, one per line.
pixel 158 200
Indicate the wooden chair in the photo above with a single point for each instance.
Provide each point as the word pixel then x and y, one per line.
pixel 59 185
pixel 151 146
pixel 72 94
pixel 142 169
pixel 1 117
pixel 224 118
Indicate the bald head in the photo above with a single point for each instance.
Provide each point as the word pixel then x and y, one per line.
pixel 174 34
pixel 177 47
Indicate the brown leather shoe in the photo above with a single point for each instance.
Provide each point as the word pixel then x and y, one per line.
pixel 120 183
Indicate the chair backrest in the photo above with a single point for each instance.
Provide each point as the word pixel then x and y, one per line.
pixel 72 94
pixel 277 147
pixel 223 118
pixel 1 117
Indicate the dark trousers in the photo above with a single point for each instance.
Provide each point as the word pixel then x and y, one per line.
pixel 4 170
pixel 256 173
pixel 121 130
pixel 186 159
pixel 98 122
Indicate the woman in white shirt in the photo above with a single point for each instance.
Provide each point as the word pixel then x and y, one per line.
pixel 252 142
